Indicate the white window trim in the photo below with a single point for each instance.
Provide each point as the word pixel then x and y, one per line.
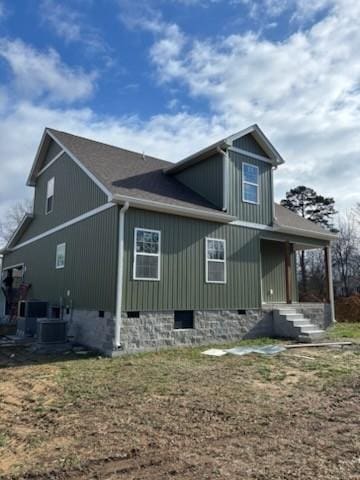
pixel 59 267
pixel 47 196
pixel 244 182
pixel 207 260
pixel 136 254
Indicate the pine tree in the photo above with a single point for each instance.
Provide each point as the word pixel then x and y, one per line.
pixel 305 202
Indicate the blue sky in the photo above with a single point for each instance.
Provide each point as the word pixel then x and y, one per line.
pixel 169 77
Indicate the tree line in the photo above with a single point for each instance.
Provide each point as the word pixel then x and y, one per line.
pixel 304 201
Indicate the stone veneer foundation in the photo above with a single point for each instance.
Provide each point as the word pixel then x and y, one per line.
pixel 155 330
pixel 88 329
pixel 152 330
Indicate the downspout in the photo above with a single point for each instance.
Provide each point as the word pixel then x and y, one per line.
pixel 273 168
pixel 225 165
pixel 120 269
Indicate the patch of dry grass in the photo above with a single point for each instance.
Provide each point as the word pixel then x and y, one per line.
pixel 179 414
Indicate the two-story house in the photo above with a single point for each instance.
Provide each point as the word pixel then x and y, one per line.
pixel 139 253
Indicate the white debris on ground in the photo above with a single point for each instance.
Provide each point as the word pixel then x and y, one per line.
pixel 215 352
pixel 262 350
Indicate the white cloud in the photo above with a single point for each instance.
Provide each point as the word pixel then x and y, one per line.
pixel 43 75
pixel 64 21
pixel 167 136
pixel 300 10
pixel 166 51
pixel 71 25
pixel 303 91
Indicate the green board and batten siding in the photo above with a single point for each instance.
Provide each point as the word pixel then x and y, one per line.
pixel 182 284
pixel 261 213
pixel 205 178
pixel 53 150
pixel 273 272
pixel 248 143
pixel 90 264
pixel 74 194
pixel 91 245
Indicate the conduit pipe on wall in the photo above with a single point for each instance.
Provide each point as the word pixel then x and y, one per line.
pixel 120 270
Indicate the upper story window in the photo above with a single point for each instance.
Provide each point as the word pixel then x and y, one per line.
pixel 60 255
pixel 50 195
pixel 215 260
pixel 250 183
pixel 146 254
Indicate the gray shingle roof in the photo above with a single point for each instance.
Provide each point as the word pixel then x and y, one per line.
pixel 129 173
pixel 288 219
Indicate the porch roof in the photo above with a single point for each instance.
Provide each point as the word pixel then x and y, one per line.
pixel 290 222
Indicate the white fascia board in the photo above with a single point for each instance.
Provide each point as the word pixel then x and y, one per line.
pixel 305 233
pixel 82 217
pixel 241 133
pixel 80 164
pixel 16 265
pixel 227 142
pixel 246 153
pixel 194 157
pixel 29 181
pixel 50 163
pixel 18 229
pixel 255 226
pixel 262 139
pixel 305 244
pixel 173 209
pixel 289 230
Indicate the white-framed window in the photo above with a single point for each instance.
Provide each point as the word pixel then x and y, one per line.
pixel 215 260
pixel 60 255
pixel 50 195
pixel 147 245
pixel 250 183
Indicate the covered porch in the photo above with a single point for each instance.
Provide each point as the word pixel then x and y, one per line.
pixel 279 282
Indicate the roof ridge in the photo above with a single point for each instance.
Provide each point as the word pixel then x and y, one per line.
pixel 54 130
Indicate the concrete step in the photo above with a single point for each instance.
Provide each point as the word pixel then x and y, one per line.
pixel 293 317
pixel 308 338
pixel 292 324
pixel 287 311
pixel 311 330
pixel 302 324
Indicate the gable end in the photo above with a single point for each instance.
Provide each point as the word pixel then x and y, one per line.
pixel 47 149
pixel 249 143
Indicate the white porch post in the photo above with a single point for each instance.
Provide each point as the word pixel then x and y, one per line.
pixel 330 286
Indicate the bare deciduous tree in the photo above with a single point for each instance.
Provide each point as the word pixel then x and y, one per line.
pixel 346 252
pixel 315 266
pixel 12 218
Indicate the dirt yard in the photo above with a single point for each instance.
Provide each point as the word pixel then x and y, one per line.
pixel 179 414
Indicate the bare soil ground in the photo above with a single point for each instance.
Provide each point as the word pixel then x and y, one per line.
pixel 179 414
